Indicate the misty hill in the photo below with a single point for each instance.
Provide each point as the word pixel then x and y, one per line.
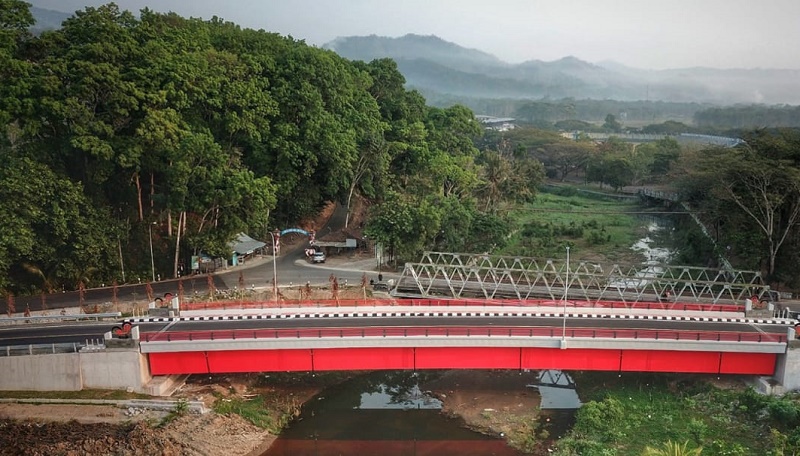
pixel 47 19
pixel 435 65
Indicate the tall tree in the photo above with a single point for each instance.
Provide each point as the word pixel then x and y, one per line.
pixel 766 190
pixel 15 19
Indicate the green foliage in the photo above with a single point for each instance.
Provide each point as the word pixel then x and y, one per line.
pixel 253 410
pixel 671 448
pixel 748 116
pixel 755 186
pixel 580 220
pixel 612 124
pixel 164 119
pixel 669 127
pixel 627 415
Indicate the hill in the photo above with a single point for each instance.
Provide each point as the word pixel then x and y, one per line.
pixel 435 65
pixel 47 19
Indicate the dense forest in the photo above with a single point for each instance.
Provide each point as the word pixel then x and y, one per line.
pixel 748 117
pixel 122 130
pixel 118 129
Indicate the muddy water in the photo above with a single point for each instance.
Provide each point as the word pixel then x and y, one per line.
pixel 559 404
pixel 382 413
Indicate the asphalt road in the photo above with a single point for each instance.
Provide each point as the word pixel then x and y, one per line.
pixel 80 332
pixel 291 269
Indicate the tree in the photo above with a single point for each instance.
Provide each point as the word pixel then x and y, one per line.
pixel 666 152
pixel 15 19
pixel 611 124
pixel 51 231
pixel 496 173
pixel 766 190
pixel 565 158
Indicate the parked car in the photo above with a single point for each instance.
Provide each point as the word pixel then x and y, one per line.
pixel 318 257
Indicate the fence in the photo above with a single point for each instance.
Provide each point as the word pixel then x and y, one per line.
pixel 461 331
pixel 50 349
pixel 529 303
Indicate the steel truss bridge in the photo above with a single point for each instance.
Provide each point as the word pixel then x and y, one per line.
pixel 462 275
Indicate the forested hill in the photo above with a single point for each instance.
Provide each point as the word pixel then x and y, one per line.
pixel 434 65
pixel 47 19
pixel 117 129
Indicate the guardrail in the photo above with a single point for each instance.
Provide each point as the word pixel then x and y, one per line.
pixel 574 304
pixel 462 331
pixel 51 349
pixel 73 317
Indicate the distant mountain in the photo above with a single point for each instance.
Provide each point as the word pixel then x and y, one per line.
pixel 435 65
pixel 414 47
pixel 47 19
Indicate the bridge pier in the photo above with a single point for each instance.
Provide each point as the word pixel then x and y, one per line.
pixel 787 366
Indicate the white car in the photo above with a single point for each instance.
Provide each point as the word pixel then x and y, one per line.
pixel 318 257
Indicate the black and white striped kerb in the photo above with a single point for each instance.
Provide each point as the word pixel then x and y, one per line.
pixel 778 321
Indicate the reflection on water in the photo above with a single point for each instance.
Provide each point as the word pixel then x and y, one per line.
pixel 381 413
pixel 392 397
pixel 559 403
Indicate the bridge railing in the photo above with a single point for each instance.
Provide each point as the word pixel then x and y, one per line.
pixel 463 331
pixel 529 303
pixel 52 348
pixel 70 317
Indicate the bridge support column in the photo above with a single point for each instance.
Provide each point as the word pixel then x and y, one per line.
pixel 787 366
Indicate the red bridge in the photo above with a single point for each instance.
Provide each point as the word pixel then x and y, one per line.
pixel 445 334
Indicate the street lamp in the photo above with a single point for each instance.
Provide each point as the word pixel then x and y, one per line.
pixel 152 260
pixel 566 287
pixel 274 267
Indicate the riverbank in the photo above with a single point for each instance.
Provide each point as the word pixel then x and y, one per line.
pixel 492 402
pixel 496 402
pixel 251 409
pixel 96 430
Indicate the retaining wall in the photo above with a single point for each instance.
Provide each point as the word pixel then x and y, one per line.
pixel 102 369
pixel 55 372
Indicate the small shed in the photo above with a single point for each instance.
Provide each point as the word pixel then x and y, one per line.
pixel 244 246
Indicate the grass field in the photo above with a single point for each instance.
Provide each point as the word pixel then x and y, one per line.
pixel 596 228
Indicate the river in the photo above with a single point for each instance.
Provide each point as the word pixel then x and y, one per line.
pixel 387 413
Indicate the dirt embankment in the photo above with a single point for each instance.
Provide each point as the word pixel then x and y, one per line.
pixel 493 402
pixel 87 430
pixel 76 430
pixel 209 434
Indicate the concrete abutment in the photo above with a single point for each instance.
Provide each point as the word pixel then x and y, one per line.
pixel 126 369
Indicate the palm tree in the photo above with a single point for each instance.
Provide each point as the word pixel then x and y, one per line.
pixel 673 449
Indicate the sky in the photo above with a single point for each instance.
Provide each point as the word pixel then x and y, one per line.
pixel 647 34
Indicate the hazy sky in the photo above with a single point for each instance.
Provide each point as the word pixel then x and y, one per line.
pixel 640 33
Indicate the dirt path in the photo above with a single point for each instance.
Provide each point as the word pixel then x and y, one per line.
pixel 85 414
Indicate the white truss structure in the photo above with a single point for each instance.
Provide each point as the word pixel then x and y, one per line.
pixel 465 275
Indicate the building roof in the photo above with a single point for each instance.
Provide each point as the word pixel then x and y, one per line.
pixel 245 245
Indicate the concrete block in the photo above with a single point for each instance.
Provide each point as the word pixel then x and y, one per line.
pixel 787 367
pixel 115 369
pixel 165 385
